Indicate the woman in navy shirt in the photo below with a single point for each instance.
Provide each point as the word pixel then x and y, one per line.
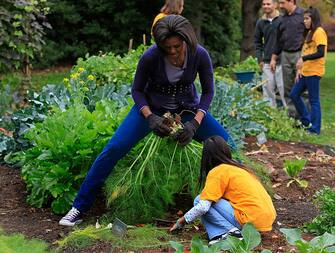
pixel 164 81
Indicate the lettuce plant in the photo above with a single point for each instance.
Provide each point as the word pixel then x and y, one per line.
pixel 293 169
pixel 320 244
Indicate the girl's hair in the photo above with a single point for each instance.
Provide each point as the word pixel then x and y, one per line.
pixel 173 7
pixel 215 152
pixel 316 22
pixel 174 25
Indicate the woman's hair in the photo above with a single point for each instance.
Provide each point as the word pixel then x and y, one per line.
pixel 215 152
pixel 316 22
pixel 174 25
pixel 173 7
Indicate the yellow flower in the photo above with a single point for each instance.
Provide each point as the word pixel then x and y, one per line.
pixel 66 80
pixel 81 70
pixel 74 76
pixel 90 77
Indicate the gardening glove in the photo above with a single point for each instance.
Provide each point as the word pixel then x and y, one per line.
pixel 186 135
pixel 178 225
pixel 157 125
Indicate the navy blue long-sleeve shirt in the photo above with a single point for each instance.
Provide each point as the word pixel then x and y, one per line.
pixel 151 86
pixel 290 34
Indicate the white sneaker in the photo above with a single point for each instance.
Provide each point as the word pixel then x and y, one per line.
pixel 71 218
pixel 233 232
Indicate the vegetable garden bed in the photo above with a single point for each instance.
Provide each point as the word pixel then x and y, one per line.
pixel 293 204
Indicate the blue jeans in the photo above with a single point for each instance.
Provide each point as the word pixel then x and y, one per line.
pixel 219 219
pixel 133 129
pixel 312 85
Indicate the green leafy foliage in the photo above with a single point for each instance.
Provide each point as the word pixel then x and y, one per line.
pixel 249 64
pixel 237 108
pixel 218 24
pixel 93 27
pixel 65 145
pixel 147 179
pixel 320 244
pixel 22 29
pixel 251 239
pixel 110 68
pixel 279 125
pixel 107 26
pixel 324 199
pixel 197 245
pixel 293 169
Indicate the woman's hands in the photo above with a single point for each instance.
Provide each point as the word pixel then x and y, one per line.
pixel 157 125
pixel 180 223
pixel 190 127
pixel 186 135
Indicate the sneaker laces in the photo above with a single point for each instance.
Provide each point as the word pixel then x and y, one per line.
pixel 72 214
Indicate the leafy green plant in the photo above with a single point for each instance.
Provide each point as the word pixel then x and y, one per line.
pixel 251 239
pixel 197 245
pixel 249 64
pixel 150 176
pixel 320 244
pixel 324 199
pixel 65 145
pixel 22 30
pixel 111 69
pixel 293 169
pixel 236 107
pixel 279 125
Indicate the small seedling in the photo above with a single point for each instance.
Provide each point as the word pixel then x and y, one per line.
pixel 293 169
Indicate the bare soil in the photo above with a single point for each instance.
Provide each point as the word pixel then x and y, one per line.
pixel 293 204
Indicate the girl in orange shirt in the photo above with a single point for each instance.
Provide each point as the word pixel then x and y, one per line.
pixel 310 69
pixel 231 197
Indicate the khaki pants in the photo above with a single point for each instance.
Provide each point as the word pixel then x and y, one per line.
pixel 289 61
pixel 274 80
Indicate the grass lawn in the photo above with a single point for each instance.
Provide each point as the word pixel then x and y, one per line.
pixel 40 79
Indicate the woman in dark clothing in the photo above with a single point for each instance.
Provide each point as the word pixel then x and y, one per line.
pixel 164 81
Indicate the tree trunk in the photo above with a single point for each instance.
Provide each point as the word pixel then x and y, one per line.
pixel 250 10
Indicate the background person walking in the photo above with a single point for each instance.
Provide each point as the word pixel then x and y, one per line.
pixel 310 69
pixel 265 39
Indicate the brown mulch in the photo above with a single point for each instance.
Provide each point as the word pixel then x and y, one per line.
pixel 293 204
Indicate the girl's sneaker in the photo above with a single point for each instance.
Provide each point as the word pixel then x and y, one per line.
pixel 71 218
pixel 233 232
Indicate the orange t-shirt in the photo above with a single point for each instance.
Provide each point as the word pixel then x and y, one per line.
pixel 245 193
pixel 314 67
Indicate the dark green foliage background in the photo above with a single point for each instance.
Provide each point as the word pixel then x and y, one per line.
pixel 90 26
